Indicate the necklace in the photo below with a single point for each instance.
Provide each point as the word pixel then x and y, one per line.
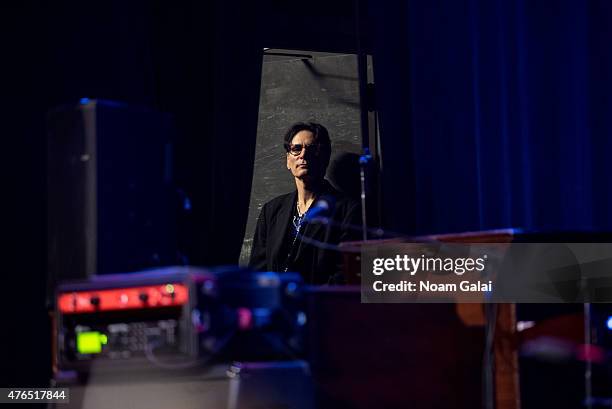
pixel 297 205
pixel 297 220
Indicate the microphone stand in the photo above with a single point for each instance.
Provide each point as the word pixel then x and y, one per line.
pixel 365 104
pixel 364 160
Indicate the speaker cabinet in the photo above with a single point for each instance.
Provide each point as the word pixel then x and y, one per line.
pixel 110 191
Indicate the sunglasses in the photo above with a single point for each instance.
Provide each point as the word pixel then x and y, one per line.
pixel 295 149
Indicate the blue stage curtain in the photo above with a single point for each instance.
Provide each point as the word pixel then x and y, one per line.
pixel 494 114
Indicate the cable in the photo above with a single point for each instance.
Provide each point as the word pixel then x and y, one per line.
pixel 488 360
pixel 377 232
pixel 150 355
pixel 588 369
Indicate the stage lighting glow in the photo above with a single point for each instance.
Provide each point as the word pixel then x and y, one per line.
pixel 291 288
pixel 609 323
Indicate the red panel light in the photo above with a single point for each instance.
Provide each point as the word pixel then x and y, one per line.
pixel 152 296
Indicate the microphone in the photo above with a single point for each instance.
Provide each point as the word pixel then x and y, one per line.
pixel 320 211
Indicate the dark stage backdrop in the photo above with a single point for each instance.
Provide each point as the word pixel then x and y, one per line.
pixel 199 61
pixel 495 114
pixel 183 58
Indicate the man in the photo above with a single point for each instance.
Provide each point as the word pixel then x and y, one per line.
pixel 284 239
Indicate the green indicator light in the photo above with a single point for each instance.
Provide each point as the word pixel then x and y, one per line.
pixel 90 342
pixel 169 288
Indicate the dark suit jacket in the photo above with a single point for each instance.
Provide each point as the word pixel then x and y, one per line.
pixel 316 265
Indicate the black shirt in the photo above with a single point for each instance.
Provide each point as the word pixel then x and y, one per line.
pixel 274 237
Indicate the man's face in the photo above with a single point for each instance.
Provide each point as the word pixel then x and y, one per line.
pixel 306 163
